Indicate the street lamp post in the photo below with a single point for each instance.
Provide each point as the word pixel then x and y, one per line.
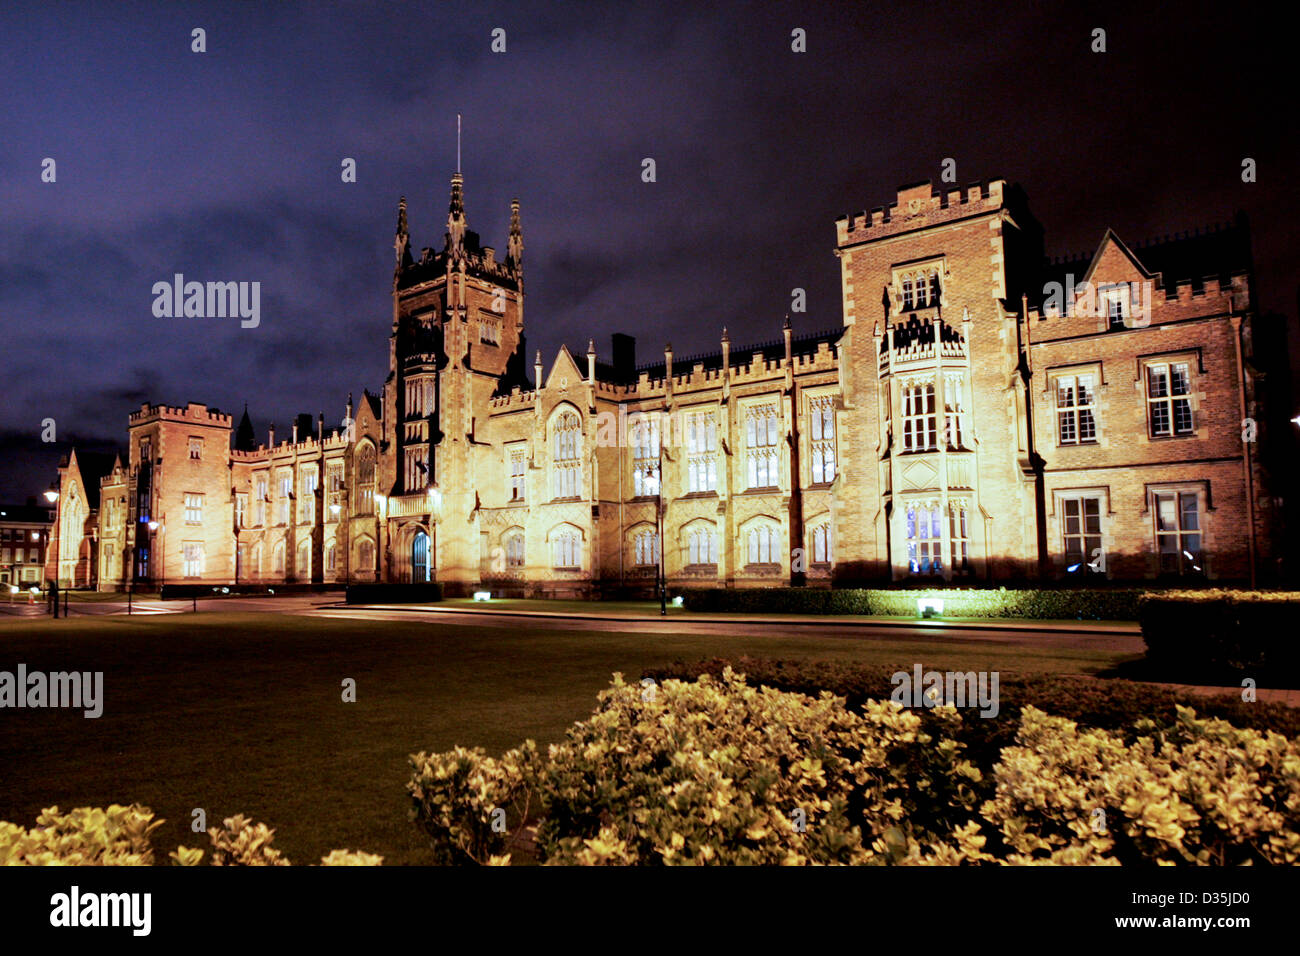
pixel 659 511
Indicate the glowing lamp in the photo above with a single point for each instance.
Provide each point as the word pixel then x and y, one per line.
pixel 482 595
pixel 929 607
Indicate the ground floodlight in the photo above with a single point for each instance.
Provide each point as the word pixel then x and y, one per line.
pixel 482 595
pixel 929 607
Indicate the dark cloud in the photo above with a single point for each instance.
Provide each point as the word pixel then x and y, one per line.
pixel 225 166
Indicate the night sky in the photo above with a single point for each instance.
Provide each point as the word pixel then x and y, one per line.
pixel 225 166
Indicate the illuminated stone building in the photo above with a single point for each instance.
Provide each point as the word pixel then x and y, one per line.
pixel 979 414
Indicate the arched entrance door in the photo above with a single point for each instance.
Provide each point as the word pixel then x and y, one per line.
pixel 419 558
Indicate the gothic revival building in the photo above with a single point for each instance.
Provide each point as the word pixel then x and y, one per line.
pixel 978 415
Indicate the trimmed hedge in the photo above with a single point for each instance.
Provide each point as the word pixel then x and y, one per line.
pixel 1113 705
pixel 426 593
pixel 1110 604
pixel 1223 633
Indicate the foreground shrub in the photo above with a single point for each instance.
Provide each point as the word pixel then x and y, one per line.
pixel 1115 705
pixel 86 836
pixel 719 771
pixel 1204 792
pixel 461 799
pixel 1222 633
pixel 120 836
pixel 1102 603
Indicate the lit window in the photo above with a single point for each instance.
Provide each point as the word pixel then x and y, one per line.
pixel 761 425
pixel 1075 409
pixel 307 501
pixel 1178 532
pixel 241 510
pixel 1169 403
pixel 283 512
pixel 366 484
pixel 645 547
pixel 515 550
pixel 822 412
pixel 645 456
pixel 261 500
pixel 701 452
pixel 919 420
pixel 762 545
pixel 952 412
pixel 567 452
pixel 701 546
pixel 568 550
pixel 1081 527
pixel 960 538
pixel 517 465
pixel 193 559
pixel 821 544
pixel 924 539
pixel 193 509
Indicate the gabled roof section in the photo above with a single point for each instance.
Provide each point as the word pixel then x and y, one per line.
pixel 564 366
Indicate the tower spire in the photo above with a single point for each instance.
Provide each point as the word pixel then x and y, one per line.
pixel 457 144
pixel 515 244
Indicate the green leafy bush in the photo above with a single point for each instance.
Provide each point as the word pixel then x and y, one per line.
pixel 86 836
pixel 718 771
pixel 1108 704
pixel 120 836
pixel 1035 604
pixel 464 799
pixel 1221 634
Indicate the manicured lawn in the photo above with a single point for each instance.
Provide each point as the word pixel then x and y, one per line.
pixel 242 712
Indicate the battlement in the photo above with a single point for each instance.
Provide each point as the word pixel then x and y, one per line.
pixel 919 204
pixel 308 446
pixel 193 413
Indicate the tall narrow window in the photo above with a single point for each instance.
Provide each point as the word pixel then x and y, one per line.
pixel 517 463
pixel 416 468
pixel 924 539
pixel 645 548
pixel 260 497
pixel 952 412
pixel 286 493
pixel 366 555
pixel 515 550
pixel 193 558
pixel 366 484
pixel 761 425
pixel 821 544
pixel 307 501
pixel 241 510
pixel 1169 403
pixel 762 545
pixel 919 425
pixel 1075 410
pixel 1178 532
pixel 701 452
pixel 701 546
pixel 821 411
pixel 960 540
pixel 1114 301
pixel 567 452
pixel 568 550
pixel 645 456
pixel 1082 529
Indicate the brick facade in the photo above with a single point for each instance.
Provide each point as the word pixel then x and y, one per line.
pixel 960 424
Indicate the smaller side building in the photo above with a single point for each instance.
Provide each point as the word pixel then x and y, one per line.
pixel 24 540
